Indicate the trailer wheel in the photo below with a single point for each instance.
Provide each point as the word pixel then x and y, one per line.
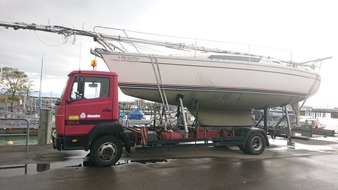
pixel 255 144
pixel 105 151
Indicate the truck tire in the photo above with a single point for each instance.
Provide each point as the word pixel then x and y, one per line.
pixel 255 144
pixel 105 151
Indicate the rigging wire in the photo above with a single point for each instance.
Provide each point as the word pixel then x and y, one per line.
pixel 65 40
pixel 103 39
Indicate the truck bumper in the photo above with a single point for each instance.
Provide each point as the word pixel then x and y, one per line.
pixel 57 142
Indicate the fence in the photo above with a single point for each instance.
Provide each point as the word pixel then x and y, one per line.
pixel 18 119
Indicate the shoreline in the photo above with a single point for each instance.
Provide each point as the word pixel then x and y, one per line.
pixel 22 148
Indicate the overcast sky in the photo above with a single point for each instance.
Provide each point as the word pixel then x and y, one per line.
pixel 304 27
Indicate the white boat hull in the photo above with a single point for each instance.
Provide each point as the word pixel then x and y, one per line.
pixel 224 87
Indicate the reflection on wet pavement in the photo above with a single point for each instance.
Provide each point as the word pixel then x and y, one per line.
pixel 29 169
pixel 43 161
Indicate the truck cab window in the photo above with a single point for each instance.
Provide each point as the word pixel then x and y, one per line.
pixel 96 87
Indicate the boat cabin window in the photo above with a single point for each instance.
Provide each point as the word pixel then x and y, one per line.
pixel 235 58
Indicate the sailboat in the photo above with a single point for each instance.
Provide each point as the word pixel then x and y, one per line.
pixel 221 86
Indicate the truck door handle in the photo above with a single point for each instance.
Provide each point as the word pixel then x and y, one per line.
pixel 106 110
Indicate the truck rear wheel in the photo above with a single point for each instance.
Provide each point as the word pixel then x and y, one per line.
pixel 105 151
pixel 255 144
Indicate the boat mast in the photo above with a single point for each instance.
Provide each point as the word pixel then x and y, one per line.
pixel 103 39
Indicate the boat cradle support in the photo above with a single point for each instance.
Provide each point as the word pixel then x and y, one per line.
pixel 275 132
pixel 183 114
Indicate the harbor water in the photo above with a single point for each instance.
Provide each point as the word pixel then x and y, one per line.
pixel 18 140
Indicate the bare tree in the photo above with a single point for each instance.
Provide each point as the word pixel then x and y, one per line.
pixel 15 82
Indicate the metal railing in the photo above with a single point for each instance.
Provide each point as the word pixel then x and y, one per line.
pixel 20 119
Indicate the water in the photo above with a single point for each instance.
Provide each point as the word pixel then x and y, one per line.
pixel 23 169
pixel 34 168
pixel 18 140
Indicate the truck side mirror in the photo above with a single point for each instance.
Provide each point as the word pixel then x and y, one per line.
pixel 80 87
pixel 77 90
pixel 57 102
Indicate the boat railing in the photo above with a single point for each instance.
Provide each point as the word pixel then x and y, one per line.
pixel 135 42
pixel 133 39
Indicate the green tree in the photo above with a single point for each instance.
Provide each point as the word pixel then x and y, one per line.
pixel 15 82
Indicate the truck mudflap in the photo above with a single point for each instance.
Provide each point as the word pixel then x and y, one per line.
pixel 126 141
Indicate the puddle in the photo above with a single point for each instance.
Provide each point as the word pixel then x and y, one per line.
pixel 29 169
pixel 150 161
pixel 142 161
pixel 51 161
pixel 281 144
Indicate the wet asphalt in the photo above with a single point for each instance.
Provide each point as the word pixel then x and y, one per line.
pixel 304 165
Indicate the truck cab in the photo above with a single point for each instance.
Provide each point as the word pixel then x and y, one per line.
pixel 87 112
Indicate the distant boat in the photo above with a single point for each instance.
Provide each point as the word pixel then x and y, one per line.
pixel 314 122
pixel 136 114
pixel 122 115
pixel 275 115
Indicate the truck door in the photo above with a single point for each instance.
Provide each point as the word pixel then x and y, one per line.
pixel 90 103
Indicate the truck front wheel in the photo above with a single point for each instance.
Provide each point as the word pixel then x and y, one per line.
pixel 255 144
pixel 105 151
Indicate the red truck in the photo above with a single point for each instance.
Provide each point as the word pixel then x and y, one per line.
pixel 87 118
